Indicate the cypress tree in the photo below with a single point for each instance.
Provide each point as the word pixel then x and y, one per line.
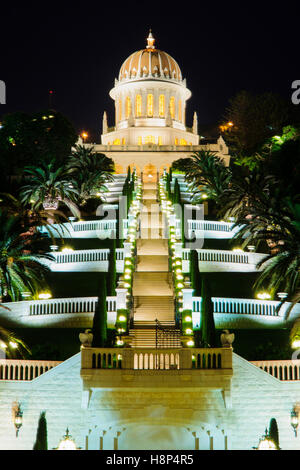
pixel 41 441
pixel 195 273
pixel 207 323
pixel 99 329
pixel 273 432
pixel 177 194
pixel 128 173
pixel 112 272
pixel 170 174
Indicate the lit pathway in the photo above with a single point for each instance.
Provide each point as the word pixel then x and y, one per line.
pixel 152 282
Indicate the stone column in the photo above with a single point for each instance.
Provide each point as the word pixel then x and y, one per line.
pixel 121 298
pixel 187 299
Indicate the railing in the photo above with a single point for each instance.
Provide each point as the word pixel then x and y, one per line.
pixel 245 306
pixel 219 256
pixel 82 256
pixel 15 369
pixel 286 370
pixel 94 228
pixel 156 359
pixel 210 225
pixel 69 305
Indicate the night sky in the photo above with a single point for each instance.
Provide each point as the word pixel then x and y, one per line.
pixel 77 51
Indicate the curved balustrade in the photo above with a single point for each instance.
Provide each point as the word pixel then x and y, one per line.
pixel 82 256
pixel 73 305
pixel 210 225
pixel 246 306
pixel 286 370
pixel 12 369
pixel 219 256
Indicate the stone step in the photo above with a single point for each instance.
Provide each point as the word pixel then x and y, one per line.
pixel 148 338
pixel 152 263
pixel 150 247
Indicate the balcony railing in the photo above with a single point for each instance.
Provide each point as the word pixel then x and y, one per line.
pixel 157 359
pixel 285 370
pixel 245 306
pixel 17 369
pixel 217 260
pixel 85 260
pixel 87 229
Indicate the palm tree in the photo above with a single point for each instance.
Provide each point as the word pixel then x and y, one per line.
pixel 90 171
pixel 206 172
pixel 48 186
pixel 33 219
pixel 10 345
pixel 22 258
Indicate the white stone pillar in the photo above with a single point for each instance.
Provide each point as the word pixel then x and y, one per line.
pixel 121 298
pixel 187 299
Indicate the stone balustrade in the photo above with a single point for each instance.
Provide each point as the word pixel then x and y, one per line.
pixel 285 370
pixel 101 229
pixel 210 229
pixel 156 359
pixel 85 260
pixel 223 260
pixel 245 306
pixel 62 312
pixel 241 313
pixel 18 369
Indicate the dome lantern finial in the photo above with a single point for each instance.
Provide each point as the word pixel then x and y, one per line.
pixel 150 41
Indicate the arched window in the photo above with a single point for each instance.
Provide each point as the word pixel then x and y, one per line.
pixel 161 105
pixel 120 110
pixel 139 140
pixel 117 142
pixel 138 105
pixel 128 107
pixel 176 141
pixel 183 142
pixel 160 140
pixel 123 141
pixel 172 107
pixel 179 111
pixel 150 139
pixel 150 105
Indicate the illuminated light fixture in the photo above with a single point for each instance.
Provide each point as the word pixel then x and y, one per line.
pixel 128 263
pixel 13 344
pixel 179 277
pixel 188 318
pixel 126 285
pixel 296 343
pixel 67 250
pixel 18 419
pixel 238 250
pixel 67 443
pixel 266 443
pixel 84 136
pixel 127 276
pixel 180 294
pixel 180 285
pixel 190 343
pixel 120 342
pixel 188 331
pixel 204 196
pixel 294 421
pixel 127 270
pixel 3 345
pixel 263 296
pixel 122 318
pixel 45 295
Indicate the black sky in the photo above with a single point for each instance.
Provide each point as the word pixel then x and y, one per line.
pixel 77 51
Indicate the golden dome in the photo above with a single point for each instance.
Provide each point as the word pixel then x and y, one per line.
pixel 150 62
